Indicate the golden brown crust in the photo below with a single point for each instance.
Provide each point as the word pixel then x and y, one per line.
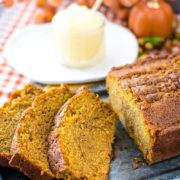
pixel 155 84
pixel 55 156
pixel 166 145
pixel 4 160
pixel 147 66
pixel 28 168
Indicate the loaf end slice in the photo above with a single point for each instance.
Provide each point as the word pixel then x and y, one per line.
pixel 10 114
pixel 146 96
pixel 30 143
pixel 81 140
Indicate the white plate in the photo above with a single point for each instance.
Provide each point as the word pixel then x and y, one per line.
pixel 31 52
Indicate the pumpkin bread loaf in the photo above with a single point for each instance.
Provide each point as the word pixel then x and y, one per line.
pixel 10 115
pixel 80 142
pixel 30 143
pixel 146 96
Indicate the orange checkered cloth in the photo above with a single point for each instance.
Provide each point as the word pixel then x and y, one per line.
pixel 12 19
pixel 9 80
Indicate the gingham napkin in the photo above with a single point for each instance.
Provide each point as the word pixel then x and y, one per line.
pixel 12 19
pixel 9 80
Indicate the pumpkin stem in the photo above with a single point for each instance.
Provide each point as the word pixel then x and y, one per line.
pixel 154 4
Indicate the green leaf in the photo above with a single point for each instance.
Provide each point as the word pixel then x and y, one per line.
pixel 155 41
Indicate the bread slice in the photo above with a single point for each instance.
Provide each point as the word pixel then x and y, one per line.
pixel 30 145
pixel 80 142
pixel 10 115
pixel 146 96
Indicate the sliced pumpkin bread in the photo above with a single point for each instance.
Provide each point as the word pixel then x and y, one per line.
pixel 30 143
pixel 146 96
pixel 10 114
pixel 81 140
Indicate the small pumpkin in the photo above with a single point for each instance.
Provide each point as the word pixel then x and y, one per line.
pixel 8 3
pixel 112 3
pixel 151 18
pixel 122 13
pixel 117 3
pixel 128 3
pixel 88 3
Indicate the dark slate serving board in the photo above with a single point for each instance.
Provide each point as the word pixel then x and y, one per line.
pixel 121 165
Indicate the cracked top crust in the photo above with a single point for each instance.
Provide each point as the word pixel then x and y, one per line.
pixel 155 82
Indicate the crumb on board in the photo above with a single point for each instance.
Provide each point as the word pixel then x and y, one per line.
pixel 137 163
pixel 113 155
pixel 123 147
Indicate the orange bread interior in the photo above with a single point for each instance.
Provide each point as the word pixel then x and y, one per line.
pixel 80 143
pixel 30 143
pixel 10 115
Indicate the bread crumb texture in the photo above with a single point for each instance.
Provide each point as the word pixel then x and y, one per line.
pixel 30 144
pixel 10 114
pixel 81 141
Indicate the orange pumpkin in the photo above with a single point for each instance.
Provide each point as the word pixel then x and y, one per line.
pixel 117 3
pixel 128 3
pixel 112 3
pixel 91 3
pixel 40 3
pixel 88 3
pixel 8 3
pixel 122 13
pixel 151 18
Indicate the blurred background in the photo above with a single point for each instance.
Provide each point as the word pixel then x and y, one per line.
pixel 124 12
